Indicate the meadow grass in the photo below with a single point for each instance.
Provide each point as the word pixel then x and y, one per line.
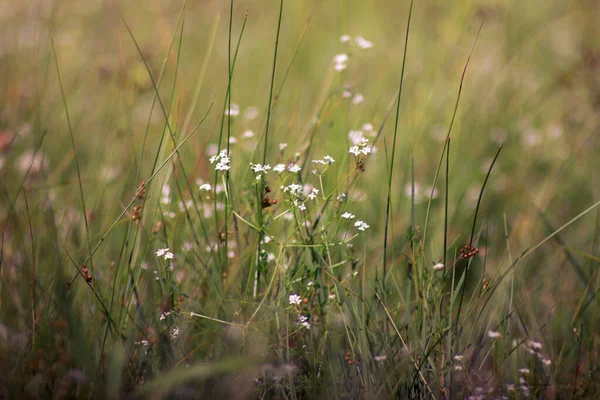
pixel 299 200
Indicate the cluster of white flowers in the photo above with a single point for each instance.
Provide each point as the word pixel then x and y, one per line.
pixel 165 253
pixel 164 315
pixel 293 189
pixel 347 215
pixel 358 40
pixel 259 169
pixel 295 299
pixel 361 149
pixel 438 266
pixel 234 111
pixel 358 99
pixel 165 194
pixel 222 159
pixel 279 168
pixel 205 186
pixel 248 134
pixel 174 332
pixel 458 362
pixel 339 61
pixel 361 225
pixel 327 160
pixel 356 136
pixel 303 321
pixel 534 347
pixel 313 193
pixel 494 334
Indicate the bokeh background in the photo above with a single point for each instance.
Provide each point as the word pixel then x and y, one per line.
pixel 533 85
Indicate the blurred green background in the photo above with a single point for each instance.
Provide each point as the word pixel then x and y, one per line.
pixel 533 85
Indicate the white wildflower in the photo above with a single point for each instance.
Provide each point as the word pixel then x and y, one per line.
pixel 340 58
pixel 367 127
pixel 340 67
pixel 358 99
pixel 547 362
pixel 162 252
pixel 295 299
pixel 293 188
pixel 166 194
pixel 345 39
pixel 494 334
pixel 361 225
pixel 234 111
pixel 164 315
pixel 535 345
pixel 355 137
pixel 174 333
pixel 279 168
pixel 294 168
pixel 362 42
pixel 347 215
pixel 438 266
pixel 303 321
pixel 258 168
pixel 205 186
pixel 282 146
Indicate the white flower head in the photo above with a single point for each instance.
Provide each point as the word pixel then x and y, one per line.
pixel 340 67
pixel 248 134
pixel 259 168
pixel 328 160
pixel 361 225
pixel 295 299
pixel 303 321
pixel 164 315
pixel 494 334
pixel 438 267
pixel 234 111
pixel 340 61
pixel 162 252
pixel 358 99
pixel 294 168
pixel 362 42
pixel 174 332
pixel 345 39
pixel 355 137
pixel 340 58
pixel 205 186
pixel 347 215
pixel 279 168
